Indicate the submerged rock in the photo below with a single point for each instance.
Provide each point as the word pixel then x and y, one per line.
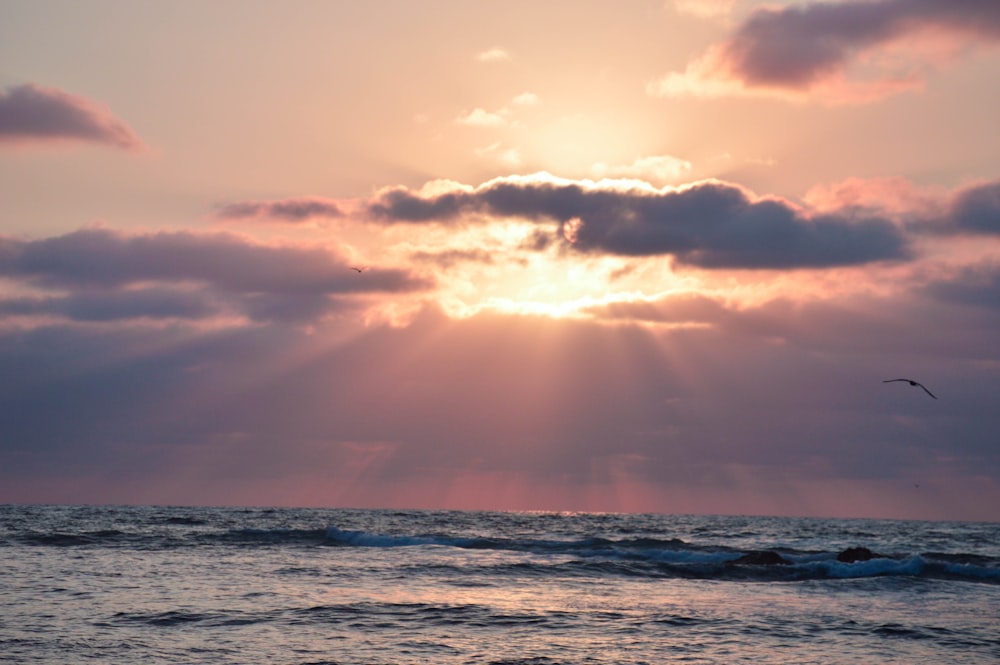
pixel 852 554
pixel 763 558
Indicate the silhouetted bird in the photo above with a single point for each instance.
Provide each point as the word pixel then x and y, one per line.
pixel 357 269
pixel 913 383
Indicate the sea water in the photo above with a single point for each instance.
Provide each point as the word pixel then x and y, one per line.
pixel 238 585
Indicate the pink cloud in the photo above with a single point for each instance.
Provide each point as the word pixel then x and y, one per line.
pixel 814 50
pixel 970 210
pixel 30 113
pixel 894 196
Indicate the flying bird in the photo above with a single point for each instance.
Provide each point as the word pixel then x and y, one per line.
pixel 913 383
pixel 357 269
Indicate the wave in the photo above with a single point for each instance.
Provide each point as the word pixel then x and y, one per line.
pixel 676 558
pixel 591 556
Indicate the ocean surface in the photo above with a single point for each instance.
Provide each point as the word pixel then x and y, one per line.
pixel 115 584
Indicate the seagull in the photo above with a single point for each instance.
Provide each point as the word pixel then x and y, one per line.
pixel 913 383
pixel 357 269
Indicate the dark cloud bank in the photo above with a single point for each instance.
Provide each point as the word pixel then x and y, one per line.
pixel 711 224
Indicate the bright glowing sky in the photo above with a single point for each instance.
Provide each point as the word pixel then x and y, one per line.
pixel 615 256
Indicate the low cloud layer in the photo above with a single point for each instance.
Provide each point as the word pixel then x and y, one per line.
pixel 30 113
pixel 810 49
pixel 107 274
pixel 399 416
pixel 116 305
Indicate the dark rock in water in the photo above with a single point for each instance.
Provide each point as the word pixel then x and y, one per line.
pixel 852 554
pixel 765 558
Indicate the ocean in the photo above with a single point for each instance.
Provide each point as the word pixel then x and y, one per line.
pixel 115 584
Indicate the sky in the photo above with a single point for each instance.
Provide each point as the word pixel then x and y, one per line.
pixel 632 256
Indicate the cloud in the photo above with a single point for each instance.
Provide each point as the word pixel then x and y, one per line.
pixel 526 99
pixel 450 257
pixel 660 168
pixel 811 50
pixel 493 55
pixel 481 118
pixel 504 155
pixel 710 224
pixel 894 196
pixel 976 209
pixel 970 210
pixel 30 113
pixel 977 285
pixel 116 305
pixel 288 210
pixel 108 273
